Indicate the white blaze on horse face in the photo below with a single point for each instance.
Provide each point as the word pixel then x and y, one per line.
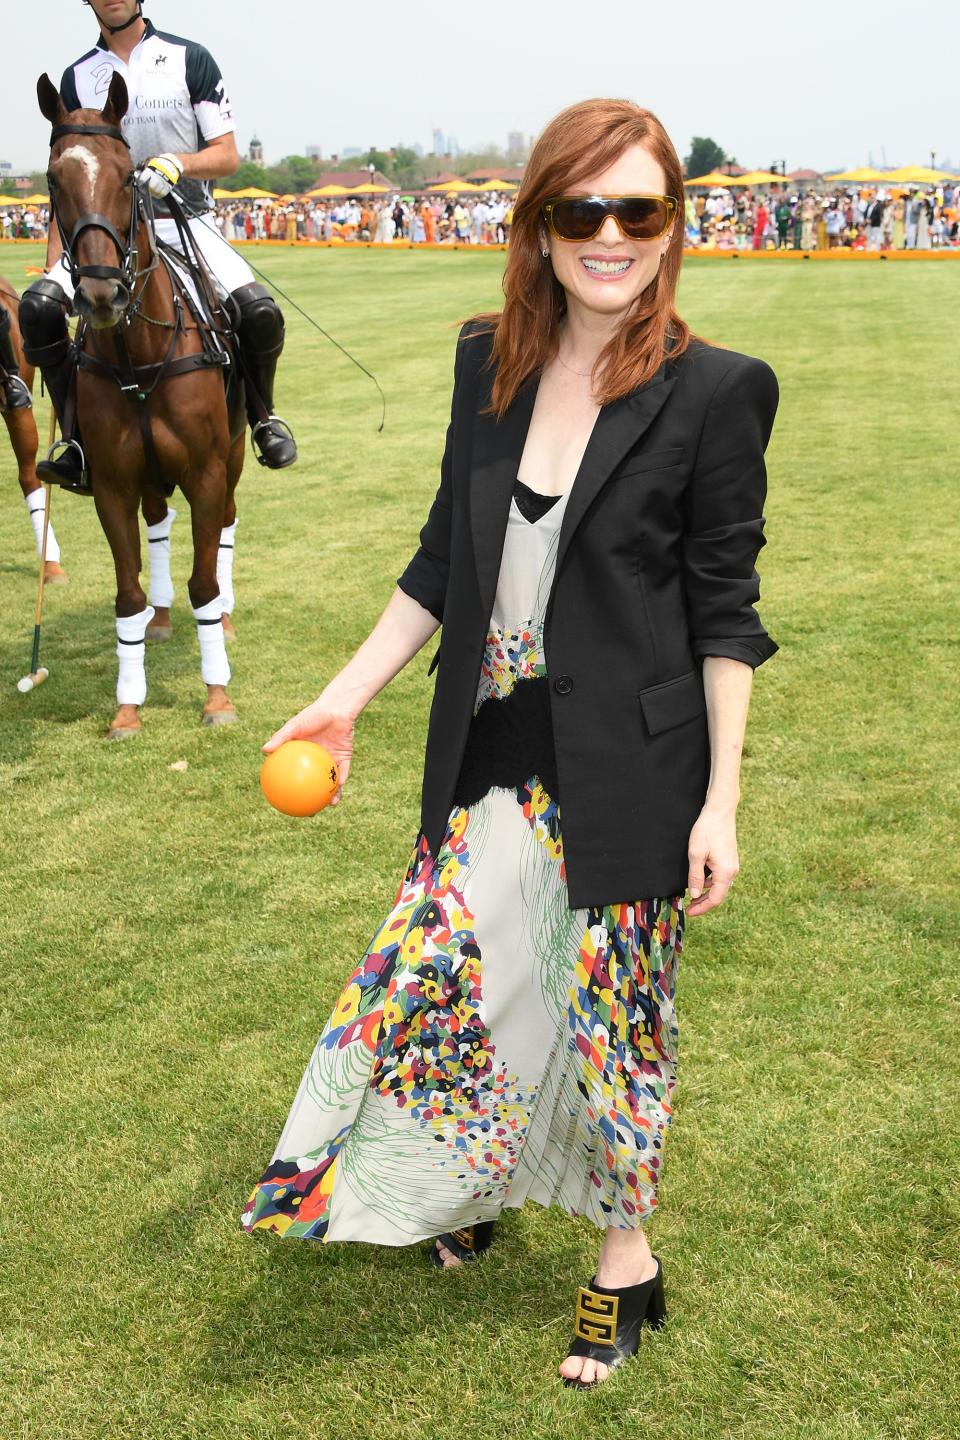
pixel 86 158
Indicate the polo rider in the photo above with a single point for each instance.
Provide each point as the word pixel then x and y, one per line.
pixel 181 134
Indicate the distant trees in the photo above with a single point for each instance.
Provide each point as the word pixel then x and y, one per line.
pixel 705 155
pixel 289 177
pixel 401 165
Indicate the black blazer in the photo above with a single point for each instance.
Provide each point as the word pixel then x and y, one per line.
pixel 655 570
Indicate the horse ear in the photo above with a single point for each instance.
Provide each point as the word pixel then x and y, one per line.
pixel 48 95
pixel 117 100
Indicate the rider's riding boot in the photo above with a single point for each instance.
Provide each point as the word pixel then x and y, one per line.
pixel 46 344
pixel 14 394
pixel 260 336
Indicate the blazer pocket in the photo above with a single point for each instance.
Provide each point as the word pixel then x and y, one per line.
pixel 673 702
pixel 434 662
pixel 655 460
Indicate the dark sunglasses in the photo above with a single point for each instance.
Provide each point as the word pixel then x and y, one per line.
pixel 580 217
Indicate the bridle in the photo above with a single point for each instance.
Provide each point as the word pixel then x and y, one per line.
pixel 126 274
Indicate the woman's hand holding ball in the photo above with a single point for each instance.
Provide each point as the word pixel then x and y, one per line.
pixel 294 778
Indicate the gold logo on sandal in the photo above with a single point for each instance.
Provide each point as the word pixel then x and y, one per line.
pixel 464 1237
pixel 596 1317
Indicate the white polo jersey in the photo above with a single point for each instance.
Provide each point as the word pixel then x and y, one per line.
pixel 178 101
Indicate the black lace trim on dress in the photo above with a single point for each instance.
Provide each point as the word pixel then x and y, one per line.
pixel 509 740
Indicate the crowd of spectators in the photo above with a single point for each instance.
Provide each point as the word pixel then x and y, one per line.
pixel 724 219
pixel 867 219
pixel 435 220
pixel 27 223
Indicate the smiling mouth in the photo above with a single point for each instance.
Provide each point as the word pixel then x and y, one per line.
pixel 608 269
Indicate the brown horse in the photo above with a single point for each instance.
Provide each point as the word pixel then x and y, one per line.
pixel 152 412
pixel 22 429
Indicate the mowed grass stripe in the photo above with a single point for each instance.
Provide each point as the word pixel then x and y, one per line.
pixel 172 947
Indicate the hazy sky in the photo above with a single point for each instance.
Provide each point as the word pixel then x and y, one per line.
pixel 825 83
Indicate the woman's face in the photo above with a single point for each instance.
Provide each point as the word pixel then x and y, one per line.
pixel 608 273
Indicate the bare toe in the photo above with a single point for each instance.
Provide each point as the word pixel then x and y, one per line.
pixel 576 1367
pixel 448 1257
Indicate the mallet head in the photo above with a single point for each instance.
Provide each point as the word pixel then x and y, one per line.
pixel 30 682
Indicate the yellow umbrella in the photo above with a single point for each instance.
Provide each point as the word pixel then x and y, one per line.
pixel 368 190
pixel 453 185
pixel 251 192
pixel 494 184
pixel 864 176
pixel 917 175
pixel 35 200
pixel 760 177
pixel 327 190
pixel 714 178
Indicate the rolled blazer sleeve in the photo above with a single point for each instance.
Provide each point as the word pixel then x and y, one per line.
pixel 425 578
pixel 724 523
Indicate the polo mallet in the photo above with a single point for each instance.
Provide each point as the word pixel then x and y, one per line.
pixel 38 672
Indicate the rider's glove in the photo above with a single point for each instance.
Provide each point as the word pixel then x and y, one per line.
pixel 160 175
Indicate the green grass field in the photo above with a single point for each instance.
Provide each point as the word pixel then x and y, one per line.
pixel 172 947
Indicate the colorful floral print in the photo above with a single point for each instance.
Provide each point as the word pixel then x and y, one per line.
pixel 492 1046
pixel 510 656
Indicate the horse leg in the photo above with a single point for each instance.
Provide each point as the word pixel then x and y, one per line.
pixel 159 518
pixel 228 537
pixel 206 512
pixel 118 516
pixel 25 441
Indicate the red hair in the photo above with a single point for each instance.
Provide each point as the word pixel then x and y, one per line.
pixel 581 141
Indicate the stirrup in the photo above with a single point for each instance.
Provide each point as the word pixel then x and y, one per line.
pixel 47 469
pixel 467 1243
pixel 15 394
pixel 608 1322
pixel 285 433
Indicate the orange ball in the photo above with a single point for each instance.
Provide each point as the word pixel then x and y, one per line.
pixel 299 778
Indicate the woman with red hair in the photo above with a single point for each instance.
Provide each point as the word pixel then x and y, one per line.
pixel 510 1033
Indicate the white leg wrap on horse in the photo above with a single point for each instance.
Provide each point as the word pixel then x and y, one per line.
pixel 35 502
pixel 158 545
pixel 228 539
pixel 132 677
pixel 214 666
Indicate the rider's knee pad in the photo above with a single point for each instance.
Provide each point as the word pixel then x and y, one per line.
pixel 43 322
pixel 261 320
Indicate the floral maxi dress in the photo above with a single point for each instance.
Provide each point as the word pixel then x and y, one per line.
pixel 493 1045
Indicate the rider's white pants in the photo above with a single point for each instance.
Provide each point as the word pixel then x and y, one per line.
pixel 229 269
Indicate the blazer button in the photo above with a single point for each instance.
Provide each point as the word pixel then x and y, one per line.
pixel 563 684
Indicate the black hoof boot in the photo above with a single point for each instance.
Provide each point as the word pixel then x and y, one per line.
pixel 273 443
pixel 609 1322
pixel 14 394
pixel 67 470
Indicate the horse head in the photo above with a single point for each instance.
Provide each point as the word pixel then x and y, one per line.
pixel 94 200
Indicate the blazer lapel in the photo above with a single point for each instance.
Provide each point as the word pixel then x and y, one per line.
pixel 496 453
pixel 618 427
pixel 495 458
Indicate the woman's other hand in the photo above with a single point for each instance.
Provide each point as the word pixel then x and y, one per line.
pixel 712 853
pixel 327 724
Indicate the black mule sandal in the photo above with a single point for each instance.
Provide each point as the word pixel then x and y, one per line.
pixel 467 1243
pixel 608 1322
